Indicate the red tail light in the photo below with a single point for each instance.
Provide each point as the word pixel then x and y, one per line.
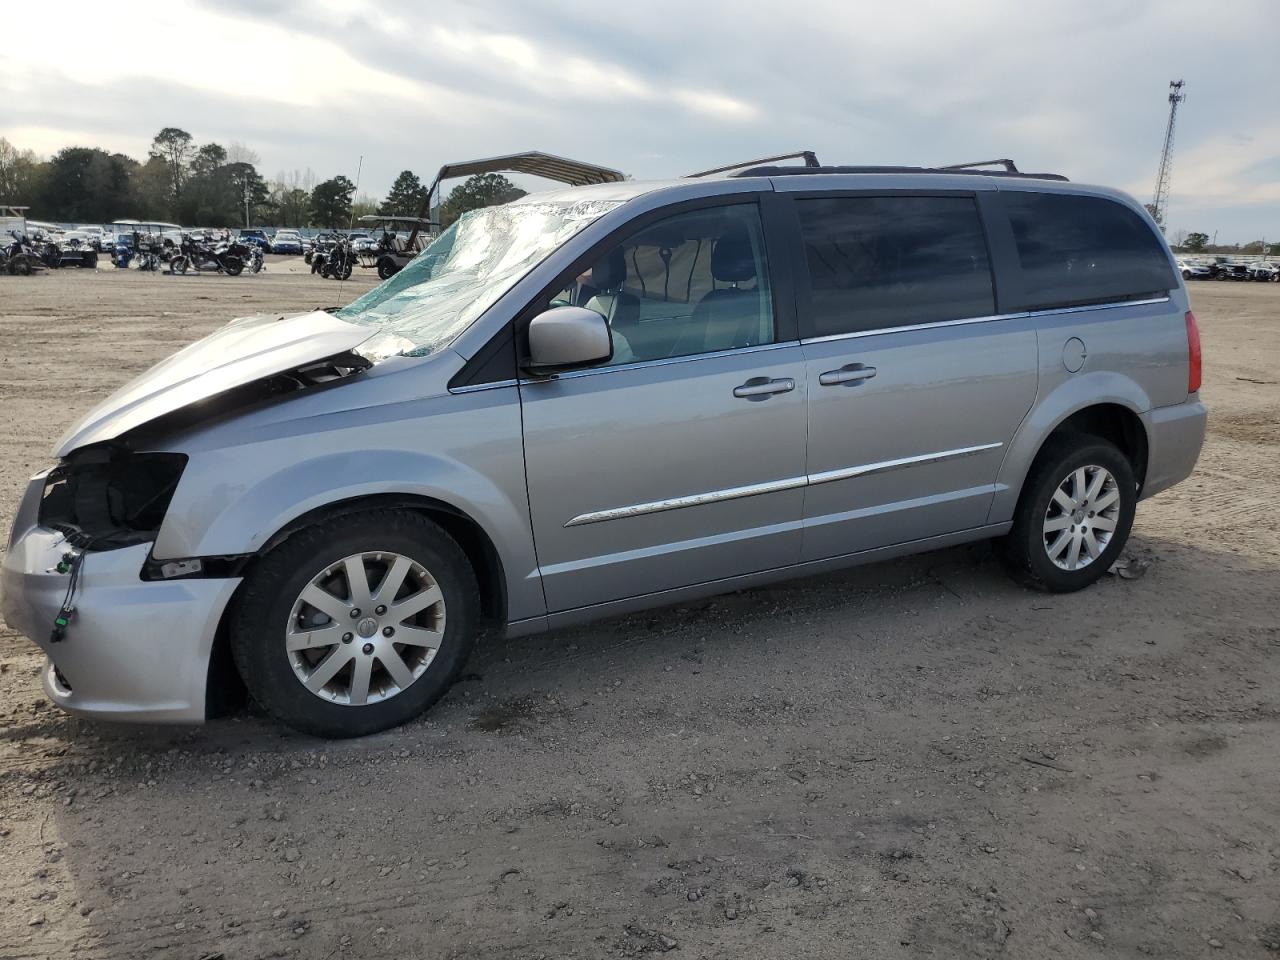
pixel 1193 353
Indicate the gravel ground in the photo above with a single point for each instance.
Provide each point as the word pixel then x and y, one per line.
pixel 917 759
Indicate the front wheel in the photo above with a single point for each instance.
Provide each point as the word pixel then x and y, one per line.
pixel 356 624
pixel 1074 516
pixel 343 270
pixel 387 268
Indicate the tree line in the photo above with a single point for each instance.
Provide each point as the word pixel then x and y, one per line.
pixel 210 185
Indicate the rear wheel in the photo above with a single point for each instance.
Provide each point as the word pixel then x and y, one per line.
pixel 356 624
pixel 1074 516
pixel 233 266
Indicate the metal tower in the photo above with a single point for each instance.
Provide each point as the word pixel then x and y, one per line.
pixel 1160 202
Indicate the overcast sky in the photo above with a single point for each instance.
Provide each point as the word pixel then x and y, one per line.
pixel 658 88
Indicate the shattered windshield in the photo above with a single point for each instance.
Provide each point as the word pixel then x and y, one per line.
pixel 468 267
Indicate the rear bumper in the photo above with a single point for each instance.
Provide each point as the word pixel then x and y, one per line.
pixel 1174 437
pixel 135 650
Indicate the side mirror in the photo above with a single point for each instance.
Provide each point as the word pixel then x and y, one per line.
pixel 563 338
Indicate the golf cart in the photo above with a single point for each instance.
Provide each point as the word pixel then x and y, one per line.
pixel 390 251
pixel 393 253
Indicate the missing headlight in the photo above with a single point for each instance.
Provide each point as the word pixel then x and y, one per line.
pixel 109 497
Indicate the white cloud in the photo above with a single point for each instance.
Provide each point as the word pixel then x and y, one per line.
pixel 668 86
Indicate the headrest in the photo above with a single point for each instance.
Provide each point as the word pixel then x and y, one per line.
pixel 731 258
pixel 610 272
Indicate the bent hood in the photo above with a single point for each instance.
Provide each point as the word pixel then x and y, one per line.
pixel 241 352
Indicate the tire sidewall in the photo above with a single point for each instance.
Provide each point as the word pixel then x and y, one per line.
pixel 1089 452
pixel 262 613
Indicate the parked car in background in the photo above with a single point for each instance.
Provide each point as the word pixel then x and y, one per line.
pixel 1235 270
pixel 91 236
pixel 1193 270
pixel 1266 271
pixel 362 242
pixel 606 399
pixel 257 237
pixel 287 242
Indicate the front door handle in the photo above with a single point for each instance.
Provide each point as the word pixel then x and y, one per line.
pixel 761 388
pixel 849 373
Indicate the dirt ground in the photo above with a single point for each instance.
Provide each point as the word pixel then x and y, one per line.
pixel 917 759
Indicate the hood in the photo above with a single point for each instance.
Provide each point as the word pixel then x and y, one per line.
pixel 241 352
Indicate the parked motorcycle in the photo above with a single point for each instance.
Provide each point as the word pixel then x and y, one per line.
pixel 251 254
pixel 145 251
pixel 207 256
pixel 320 251
pixel 47 250
pixel 337 261
pixel 19 257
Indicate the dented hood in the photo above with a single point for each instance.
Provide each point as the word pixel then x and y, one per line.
pixel 239 353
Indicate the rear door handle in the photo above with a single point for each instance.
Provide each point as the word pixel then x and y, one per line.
pixel 850 373
pixel 761 388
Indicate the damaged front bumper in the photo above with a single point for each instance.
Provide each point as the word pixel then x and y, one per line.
pixel 134 650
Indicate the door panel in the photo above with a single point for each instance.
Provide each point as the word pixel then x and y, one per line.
pixel 913 450
pixel 656 475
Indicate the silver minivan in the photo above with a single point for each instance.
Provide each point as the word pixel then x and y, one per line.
pixel 606 398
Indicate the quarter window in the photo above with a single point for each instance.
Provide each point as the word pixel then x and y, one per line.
pixel 1078 250
pixel 877 262
pixel 693 283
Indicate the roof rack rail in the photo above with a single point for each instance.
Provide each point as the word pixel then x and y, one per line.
pixel 962 170
pixel 810 161
pixel 1009 165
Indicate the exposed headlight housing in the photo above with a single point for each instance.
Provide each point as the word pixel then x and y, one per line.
pixel 106 496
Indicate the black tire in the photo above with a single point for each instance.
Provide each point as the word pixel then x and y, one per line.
pixel 233 266
pixel 178 265
pixel 1186 274
pixel 1023 549
pixel 89 260
pixel 343 270
pixel 263 607
pixel 387 268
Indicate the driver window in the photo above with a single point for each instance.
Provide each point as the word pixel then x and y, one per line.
pixel 693 283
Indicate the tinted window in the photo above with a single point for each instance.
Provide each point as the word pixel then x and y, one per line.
pixel 878 262
pixel 1084 250
pixel 693 283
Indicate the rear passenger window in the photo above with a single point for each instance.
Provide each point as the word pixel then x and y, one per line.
pixel 1077 250
pixel 877 262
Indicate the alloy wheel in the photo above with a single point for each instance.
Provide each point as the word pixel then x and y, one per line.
pixel 1081 517
pixel 365 628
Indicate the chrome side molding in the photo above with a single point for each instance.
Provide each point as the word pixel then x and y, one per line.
pixel 776 486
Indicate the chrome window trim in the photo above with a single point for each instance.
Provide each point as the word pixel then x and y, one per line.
pixel 775 486
pixel 854 334
pixel 1114 305
pixel 477 387
pixel 1023 314
pixel 661 362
